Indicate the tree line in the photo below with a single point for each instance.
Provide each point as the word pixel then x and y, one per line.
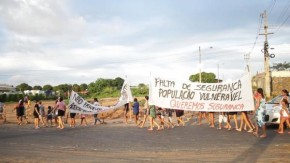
pixel 100 88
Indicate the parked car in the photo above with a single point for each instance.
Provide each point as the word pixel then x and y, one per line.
pixel 273 108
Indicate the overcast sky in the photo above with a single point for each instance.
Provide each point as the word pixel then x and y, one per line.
pixel 78 41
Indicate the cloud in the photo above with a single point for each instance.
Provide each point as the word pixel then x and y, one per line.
pixel 53 42
pixel 39 18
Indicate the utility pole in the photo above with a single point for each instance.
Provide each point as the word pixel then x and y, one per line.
pixel 199 64
pixel 218 72
pixel 247 59
pixel 266 56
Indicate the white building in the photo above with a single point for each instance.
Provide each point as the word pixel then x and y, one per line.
pixel 33 92
pixel 7 88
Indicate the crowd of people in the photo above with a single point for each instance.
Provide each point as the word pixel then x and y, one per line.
pixel 251 121
pixel 158 117
pixel 52 116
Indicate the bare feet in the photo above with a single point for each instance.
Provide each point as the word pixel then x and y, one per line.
pixel 280 132
pixel 263 136
pixel 256 134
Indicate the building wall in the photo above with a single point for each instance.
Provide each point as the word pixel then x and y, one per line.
pixel 279 83
pixel 279 80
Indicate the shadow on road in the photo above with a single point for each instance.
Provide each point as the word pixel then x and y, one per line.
pixel 256 150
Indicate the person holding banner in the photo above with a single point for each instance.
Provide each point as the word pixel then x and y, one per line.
pixel 260 113
pixel 211 119
pixel 96 103
pixel 83 120
pixel 234 116
pixel 223 117
pixel 60 105
pixel 72 119
pixel 126 110
pixel 202 115
pixel 169 113
pixel 245 121
pixel 179 114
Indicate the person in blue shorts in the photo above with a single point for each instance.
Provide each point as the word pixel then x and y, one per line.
pixel 136 110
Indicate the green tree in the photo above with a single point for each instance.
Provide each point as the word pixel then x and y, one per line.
pixel 83 87
pixel 62 89
pixel 23 86
pixel 76 88
pixel 37 87
pixel 141 85
pixel 106 87
pixel 119 82
pixel 205 77
pixel 98 86
pixel 281 66
pixel 47 87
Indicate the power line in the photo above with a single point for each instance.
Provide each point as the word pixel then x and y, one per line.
pixel 271 6
pixel 281 16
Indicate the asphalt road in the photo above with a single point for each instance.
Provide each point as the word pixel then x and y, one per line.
pixel 126 143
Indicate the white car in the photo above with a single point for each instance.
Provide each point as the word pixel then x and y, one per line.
pixel 273 108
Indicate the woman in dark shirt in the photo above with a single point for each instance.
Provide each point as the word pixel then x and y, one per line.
pixel 20 112
pixel 36 115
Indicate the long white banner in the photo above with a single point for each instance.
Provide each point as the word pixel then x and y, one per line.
pixel 208 97
pixel 79 105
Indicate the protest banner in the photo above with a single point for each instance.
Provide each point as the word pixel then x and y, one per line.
pixel 208 97
pixel 126 95
pixel 79 105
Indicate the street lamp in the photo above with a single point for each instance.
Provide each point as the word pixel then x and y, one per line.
pixel 199 50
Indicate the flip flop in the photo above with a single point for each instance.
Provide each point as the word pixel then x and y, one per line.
pixel 263 136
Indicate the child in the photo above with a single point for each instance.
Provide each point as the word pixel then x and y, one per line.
pixel 169 112
pixel 83 119
pixel 158 114
pixel 223 118
pixel 284 116
pixel 136 110
pixel 49 115
pixel 41 113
